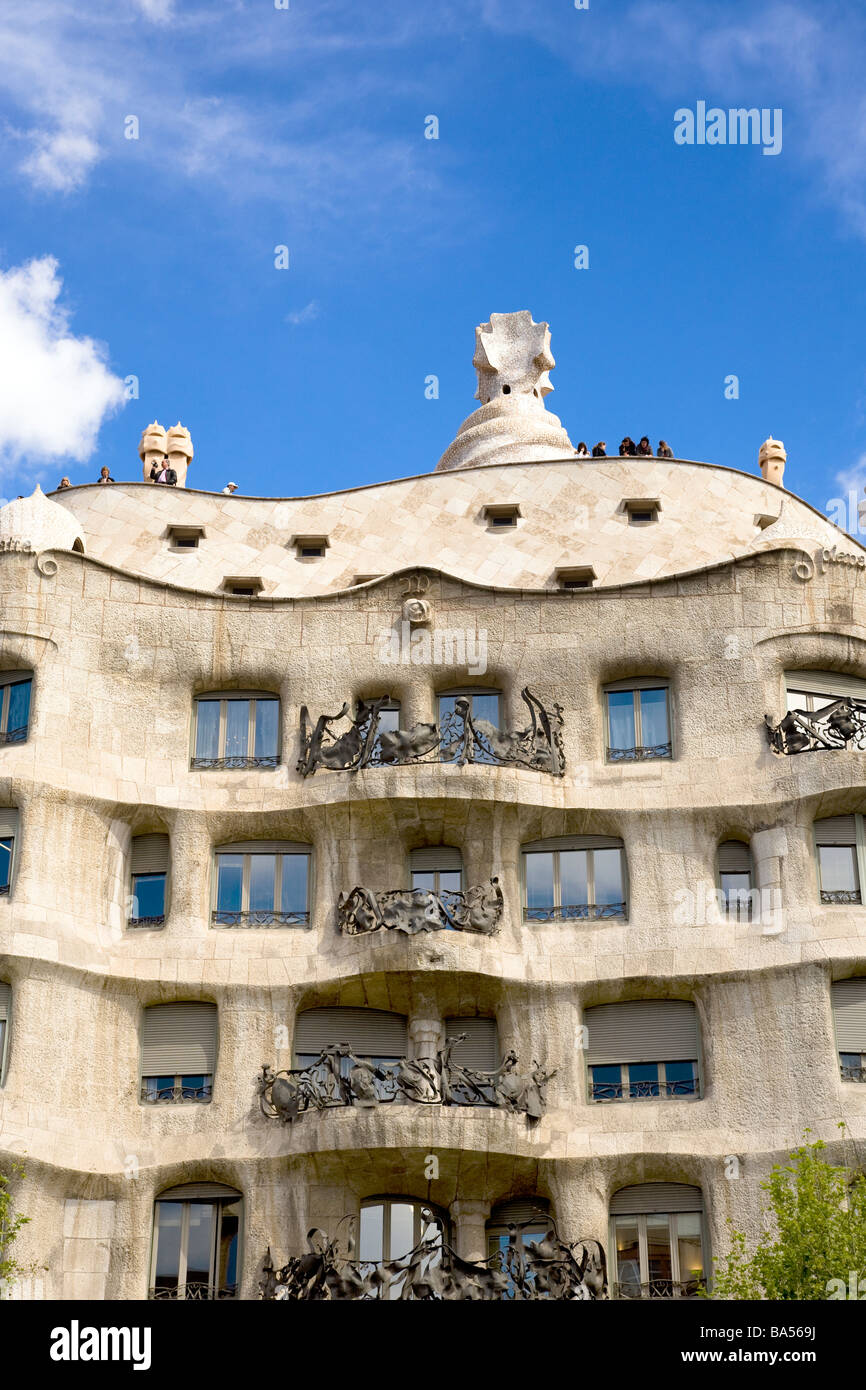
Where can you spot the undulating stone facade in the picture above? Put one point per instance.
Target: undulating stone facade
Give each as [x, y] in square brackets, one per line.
[731, 583]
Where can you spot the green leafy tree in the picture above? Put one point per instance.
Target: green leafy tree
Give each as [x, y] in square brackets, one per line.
[814, 1233]
[10, 1225]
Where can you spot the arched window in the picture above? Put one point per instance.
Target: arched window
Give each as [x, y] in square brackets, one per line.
[849, 1019]
[262, 883]
[196, 1242]
[840, 845]
[15, 688]
[236, 729]
[574, 876]
[643, 1049]
[178, 1052]
[148, 871]
[735, 879]
[525, 1219]
[436, 869]
[637, 719]
[8, 841]
[657, 1241]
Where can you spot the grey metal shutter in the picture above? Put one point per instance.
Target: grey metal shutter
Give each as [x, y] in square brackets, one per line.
[179, 1040]
[8, 821]
[149, 854]
[826, 683]
[481, 1048]
[573, 842]
[368, 1032]
[519, 1209]
[199, 1191]
[265, 847]
[640, 683]
[445, 858]
[656, 1196]
[642, 1030]
[5, 1002]
[835, 830]
[849, 1014]
[734, 857]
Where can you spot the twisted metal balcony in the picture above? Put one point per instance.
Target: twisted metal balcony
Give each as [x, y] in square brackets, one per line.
[260, 919]
[154, 923]
[459, 739]
[841, 724]
[477, 910]
[640, 755]
[196, 1293]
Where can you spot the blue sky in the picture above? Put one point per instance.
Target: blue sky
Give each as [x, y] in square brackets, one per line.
[305, 127]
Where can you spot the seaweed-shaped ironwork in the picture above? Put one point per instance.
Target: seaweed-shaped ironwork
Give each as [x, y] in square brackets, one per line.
[841, 724]
[413, 910]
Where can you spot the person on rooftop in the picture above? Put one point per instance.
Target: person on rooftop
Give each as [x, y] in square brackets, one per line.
[599, 450]
[664, 450]
[230, 488]
[104, 475]
[582, 451]
[64, 482]
[161, 473]
[627, 448]
[644, 447]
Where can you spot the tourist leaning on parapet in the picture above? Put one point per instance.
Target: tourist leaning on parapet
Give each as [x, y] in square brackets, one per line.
[599, 450]
[230, 488]
[161, 473]
[582, 451]
[627, 448]
[104, 476]
[664, 450]
[644, 447]
[64, 482]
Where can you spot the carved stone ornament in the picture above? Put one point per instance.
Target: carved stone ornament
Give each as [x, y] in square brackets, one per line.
[338, 1079]
[416, 611]
[526, 1270]
[413, 910]
[347, 746]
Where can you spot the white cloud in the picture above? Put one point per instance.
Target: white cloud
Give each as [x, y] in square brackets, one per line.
[156, 10]
[61, 161]
[853, 479]
[57, 389]
[306, 315]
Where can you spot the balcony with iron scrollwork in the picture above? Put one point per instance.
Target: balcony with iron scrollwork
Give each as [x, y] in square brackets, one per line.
[176, 1093]
[194, 1292]
[342, 744]
[273, 919]
[640, 755]
[15, 735]
[477, 910]
[841, 895]
[4, 890]
[579, 912]
[233, 764]
[841, 724]
[853, 1073]
[658, 1288]
[155, 923]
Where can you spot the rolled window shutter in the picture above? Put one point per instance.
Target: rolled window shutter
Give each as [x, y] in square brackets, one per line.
[8, 822]
[481, 1048]
[428, 859]
[656, 1197]
[849, 1014]
[368, 1032]
[519, 1209]
[640, 683]
[5, 1003]
[734, 857]
[238, 695]
[834, 683]
[265, 847]
[835, 830]
[149, 854]
[179, 1040]
[642, 1030]
[573, 842]
[199, 1191]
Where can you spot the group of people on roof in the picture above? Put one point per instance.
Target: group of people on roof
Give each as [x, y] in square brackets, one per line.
[628, 449]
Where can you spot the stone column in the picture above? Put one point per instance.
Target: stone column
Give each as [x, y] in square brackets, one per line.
[769, 850]
[470, 1236]
[424, 1035]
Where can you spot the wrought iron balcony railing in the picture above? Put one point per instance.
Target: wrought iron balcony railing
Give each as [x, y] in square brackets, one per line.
[15, 735]
[639, 755]
[642, 1090]
[411, 910]
[152, 922]
[197, 1293]
[659, 1288]
[459, 738]
[853, 1073]
[173, 1095]
[4, 889]
[592, 912]
[526, 1270]
[260, 919]
[841, 724]
[338, 1079]
[233, 764]
[846, 895]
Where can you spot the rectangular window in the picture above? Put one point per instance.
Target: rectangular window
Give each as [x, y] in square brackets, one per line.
[483, 708]
[148, 892]
[14, 708]
[262, 889]
[658, 1255]
[840, 846]
[237, 732]
[574, 883]
[195, 1253]
[638, 723]
[643, 1080]
[7, 846]
[178, 1052]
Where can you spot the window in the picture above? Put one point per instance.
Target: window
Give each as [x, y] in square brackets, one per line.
[5, 1016]
[364, 579]
[479, 1052]
[243, 586]
[501, 514]
[8, 836]
[236, 730]
[849, 1018]
[178, 1052]
[641, 511]
[262, 883]
[482, 706]
[391, 1228]
[388, 723]
[576, 577]
[577, 876]
[437, 869]
[148, 874]
[15, 689]
[196, 1239]
[814, 690]
[310, 547]
[840, 845]
[656, 1239]
[637, 716]
[185, 537]
[735, 879]
[366, 1033]
[529, 1215]
[644, 1049]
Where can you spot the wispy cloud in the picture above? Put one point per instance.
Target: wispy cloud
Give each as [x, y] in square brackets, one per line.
[306, 315]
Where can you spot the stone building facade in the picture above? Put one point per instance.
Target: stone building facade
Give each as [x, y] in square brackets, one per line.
[185, 813]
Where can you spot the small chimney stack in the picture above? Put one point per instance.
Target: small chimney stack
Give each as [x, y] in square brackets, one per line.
[180, 451]
[152, 448]
[771, 460]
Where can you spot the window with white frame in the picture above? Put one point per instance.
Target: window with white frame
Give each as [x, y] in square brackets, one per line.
[15, 689]
[849, 1020]
[657, 1241]
[573, 877]
[236, 729]
[196, 1242]
[5, 1016]
[262, 883]
[840, 847]
[436, 869]
[735, 879]
[812, 691]
[178, 1052]
[637, 720]
[149, 855]
[643, 1049]
[8, 838]
[391, 1228]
